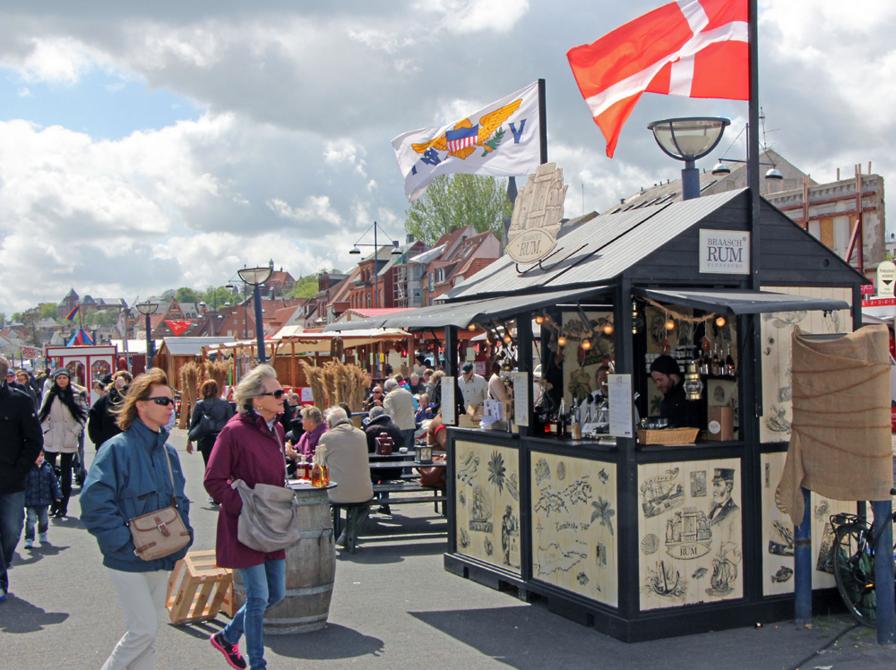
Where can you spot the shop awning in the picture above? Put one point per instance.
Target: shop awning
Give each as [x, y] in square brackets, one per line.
[741, 302]
[461, 314]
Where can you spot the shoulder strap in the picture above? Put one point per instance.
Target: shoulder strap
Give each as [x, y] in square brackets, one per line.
[170, 476]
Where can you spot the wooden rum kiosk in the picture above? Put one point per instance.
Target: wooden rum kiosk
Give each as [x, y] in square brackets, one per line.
[647, 540]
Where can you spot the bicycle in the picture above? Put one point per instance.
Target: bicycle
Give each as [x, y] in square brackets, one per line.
[853, 552]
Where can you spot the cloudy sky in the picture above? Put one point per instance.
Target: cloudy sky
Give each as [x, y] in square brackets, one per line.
[153, 145]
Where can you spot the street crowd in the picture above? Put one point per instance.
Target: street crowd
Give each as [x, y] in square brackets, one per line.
[264, 437]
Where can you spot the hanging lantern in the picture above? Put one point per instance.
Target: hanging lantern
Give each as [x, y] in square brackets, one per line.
[721, 321]
[586, 344]
[670, 324]
[693, 385]
[607, 328]
[472, 327]
[561, 341]
[507, 339]
[539, 319]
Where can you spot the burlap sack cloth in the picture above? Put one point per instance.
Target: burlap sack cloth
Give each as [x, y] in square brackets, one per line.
[840, 435]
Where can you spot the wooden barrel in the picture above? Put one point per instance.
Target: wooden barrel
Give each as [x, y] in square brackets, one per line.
[310, 571]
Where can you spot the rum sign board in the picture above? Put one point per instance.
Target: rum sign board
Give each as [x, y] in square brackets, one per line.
[724, 252]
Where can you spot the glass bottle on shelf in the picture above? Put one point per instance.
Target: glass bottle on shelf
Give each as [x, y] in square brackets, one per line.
[730, 367]
[715, 366]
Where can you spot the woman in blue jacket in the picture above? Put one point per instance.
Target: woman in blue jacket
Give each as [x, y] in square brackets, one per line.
[129, 477]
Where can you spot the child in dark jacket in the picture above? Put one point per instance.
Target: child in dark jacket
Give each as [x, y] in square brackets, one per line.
[41, 490]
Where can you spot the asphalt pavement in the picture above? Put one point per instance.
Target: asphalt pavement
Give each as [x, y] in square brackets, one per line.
[394, 606]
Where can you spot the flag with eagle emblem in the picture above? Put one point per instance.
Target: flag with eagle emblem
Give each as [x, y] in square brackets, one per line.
[500, 140]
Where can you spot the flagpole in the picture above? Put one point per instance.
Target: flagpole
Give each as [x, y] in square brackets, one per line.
[753, 144]
[543, 122]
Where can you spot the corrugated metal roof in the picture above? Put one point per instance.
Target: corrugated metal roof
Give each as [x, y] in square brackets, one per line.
[191, 346]
[461, 314]
[742, 302]
[598, 251]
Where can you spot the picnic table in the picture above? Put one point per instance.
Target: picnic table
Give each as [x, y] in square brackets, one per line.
[397, 488]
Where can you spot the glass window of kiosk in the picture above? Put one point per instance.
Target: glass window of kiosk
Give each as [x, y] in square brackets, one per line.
[575, 357]
[690, 355]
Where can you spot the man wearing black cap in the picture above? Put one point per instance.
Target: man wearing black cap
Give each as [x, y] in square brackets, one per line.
[675, 406]
[473, 387]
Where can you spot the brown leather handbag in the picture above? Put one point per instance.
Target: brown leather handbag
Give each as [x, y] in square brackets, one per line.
[160, 533]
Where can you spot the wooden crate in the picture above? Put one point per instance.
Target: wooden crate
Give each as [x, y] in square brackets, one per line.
[670, 436]
[198, 589]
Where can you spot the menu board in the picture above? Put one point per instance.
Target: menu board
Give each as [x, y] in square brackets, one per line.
[620, 388]
[521, 398]
[448, 403]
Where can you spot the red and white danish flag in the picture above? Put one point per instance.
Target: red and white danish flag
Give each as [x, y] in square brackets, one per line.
[695, 48]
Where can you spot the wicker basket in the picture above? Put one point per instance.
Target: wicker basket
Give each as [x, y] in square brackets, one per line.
[670, 436]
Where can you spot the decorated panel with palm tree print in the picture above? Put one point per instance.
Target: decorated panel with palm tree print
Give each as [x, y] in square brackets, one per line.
[487, 503]
[574, 539]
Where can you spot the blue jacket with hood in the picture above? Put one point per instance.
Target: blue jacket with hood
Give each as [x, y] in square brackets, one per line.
[128, 478]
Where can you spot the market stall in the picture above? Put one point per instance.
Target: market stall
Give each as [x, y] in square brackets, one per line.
[85, 362]
[644, 531]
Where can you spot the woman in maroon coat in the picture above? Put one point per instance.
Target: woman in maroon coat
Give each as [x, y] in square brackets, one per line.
[250, 447]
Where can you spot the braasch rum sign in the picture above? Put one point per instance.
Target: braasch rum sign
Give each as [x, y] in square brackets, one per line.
[724, 252]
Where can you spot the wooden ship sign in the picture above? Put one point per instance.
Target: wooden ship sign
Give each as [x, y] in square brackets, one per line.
[536, 215]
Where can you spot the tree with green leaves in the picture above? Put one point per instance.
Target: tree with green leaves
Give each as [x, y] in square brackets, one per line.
[455, 201]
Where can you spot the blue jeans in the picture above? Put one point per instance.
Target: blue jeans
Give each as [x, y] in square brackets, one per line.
[265, 586]
[39, 515]
[12, 516]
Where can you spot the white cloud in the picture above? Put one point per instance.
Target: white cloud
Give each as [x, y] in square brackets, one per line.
[471, 16]
[316, 208]
[292, 158]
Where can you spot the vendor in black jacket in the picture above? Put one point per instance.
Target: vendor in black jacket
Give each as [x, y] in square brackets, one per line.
[675, 406]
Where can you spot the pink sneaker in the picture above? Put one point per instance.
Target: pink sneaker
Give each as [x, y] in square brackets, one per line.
[231, 651]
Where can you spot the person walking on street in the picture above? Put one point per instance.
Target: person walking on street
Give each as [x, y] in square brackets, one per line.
[20, 443]
[24, 381]
[41, 491]
[62, 418]
[218, 411]
[136, 472]
[102, 421]
[250, 448]
[399, 404]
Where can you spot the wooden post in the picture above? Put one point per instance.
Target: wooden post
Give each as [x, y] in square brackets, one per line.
[292, 362]
[802, 564]
[883, 570]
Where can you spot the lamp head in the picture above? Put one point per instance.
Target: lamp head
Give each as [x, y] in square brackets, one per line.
[721, 170]
[355, 250]
[688, 138]
[774, 174]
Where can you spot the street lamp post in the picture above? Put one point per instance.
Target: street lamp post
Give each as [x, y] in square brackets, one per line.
[146, 309]
[687, 139]
[356, 250]
[255, 277]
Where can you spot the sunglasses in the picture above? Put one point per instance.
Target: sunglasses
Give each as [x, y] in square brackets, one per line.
[164, 401]
[277, 394]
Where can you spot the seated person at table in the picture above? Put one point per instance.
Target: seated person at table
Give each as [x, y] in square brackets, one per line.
[379, 423]
[675, 406]
[314, 427]
[424, 409]
[436, 433]
[375, 399]
[343, 449]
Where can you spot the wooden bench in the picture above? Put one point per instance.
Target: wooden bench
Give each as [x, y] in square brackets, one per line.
[408, 486]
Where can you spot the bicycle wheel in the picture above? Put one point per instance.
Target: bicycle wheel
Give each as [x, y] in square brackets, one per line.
[854, 572]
